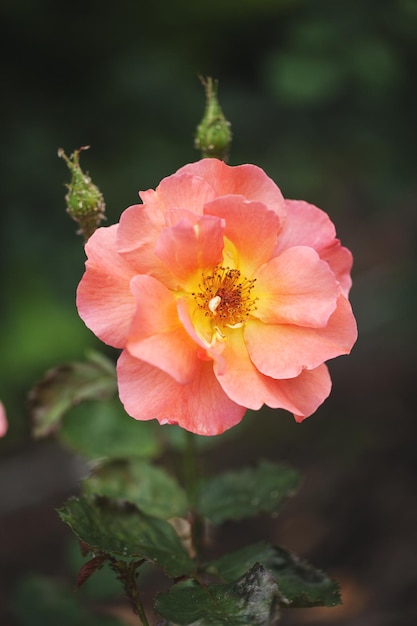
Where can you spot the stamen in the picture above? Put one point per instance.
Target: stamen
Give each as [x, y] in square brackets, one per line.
[214, 303]
[226, 296]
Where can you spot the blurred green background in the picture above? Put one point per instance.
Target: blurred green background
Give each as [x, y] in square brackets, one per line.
[322, 96]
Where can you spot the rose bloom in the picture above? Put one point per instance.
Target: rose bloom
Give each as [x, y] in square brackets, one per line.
[222, 295]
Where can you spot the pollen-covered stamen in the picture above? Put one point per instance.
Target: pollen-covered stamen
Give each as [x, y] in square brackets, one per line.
[225, 296]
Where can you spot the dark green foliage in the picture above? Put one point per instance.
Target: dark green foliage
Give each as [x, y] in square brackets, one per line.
[118, 529]
[78, 402]
[149, 487]
[299, 583]
[247, 492]
[253, 599]
[66, 386]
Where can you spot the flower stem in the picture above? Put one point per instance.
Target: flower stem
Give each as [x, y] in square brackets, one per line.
[127, 573]
[192, 480]
[191, 469]
[139, 610]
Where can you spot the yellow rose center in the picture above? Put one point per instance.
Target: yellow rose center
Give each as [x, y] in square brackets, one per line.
[225, 296]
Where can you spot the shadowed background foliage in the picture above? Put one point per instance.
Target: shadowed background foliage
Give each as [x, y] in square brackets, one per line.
[322, 96]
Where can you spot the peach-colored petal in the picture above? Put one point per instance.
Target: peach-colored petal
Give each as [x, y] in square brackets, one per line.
[244, 384]
[307, 225]
[340, 260]
[140, 225]
[184, 190]
[249, 181]
[296, 287]
[238, 376]
[156, 335]
[250, 226]
[104, 300]
[138, 232]
[199, 328]
[284, 350]
[187, 247]
[308, 390]
[174, 216]
[201, 406]
[3, 420]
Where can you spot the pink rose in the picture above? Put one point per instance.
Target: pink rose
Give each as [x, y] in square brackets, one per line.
[222, 296]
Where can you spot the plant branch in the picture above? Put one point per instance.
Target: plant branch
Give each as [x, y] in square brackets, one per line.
[127, 574]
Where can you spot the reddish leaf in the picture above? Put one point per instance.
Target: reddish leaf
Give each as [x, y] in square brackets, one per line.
[89, 568]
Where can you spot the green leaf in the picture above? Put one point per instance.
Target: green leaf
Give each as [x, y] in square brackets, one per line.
[66, 386]
[299, 583]
[232, 566]
[253, 599]
[39, 601]
[149, 487]
[119, 529]
[104, 430]
[247, 492]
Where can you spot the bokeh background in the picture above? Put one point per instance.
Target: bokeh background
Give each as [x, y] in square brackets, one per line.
[322, 95]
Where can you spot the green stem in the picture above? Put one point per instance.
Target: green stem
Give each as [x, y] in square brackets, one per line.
[191, 469]
[127, 574]
[138, 608]
[192, 484]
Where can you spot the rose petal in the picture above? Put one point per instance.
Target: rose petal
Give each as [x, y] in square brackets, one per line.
[184, 190]
[307, 225]
[138, 232]
[201, 331]
[340, 260]
[244, 384]
[284, 350]
[248, 224]
[104, 300]
[296, 287]
[156, 335]
[201, 406]
[308, 390]
[249, 181]
[186, 247]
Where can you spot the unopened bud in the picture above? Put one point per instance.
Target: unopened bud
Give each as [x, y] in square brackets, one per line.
[214, 135]
[85, 202]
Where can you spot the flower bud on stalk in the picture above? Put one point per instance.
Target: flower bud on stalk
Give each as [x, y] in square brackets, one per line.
[85, 202]
[213, 135]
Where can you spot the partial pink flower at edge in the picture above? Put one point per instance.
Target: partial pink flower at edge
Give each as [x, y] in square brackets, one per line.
[222, 296]
[3, 421]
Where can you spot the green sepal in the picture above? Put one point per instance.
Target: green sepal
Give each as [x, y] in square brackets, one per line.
[247, 492]
[119, 530]
[300, 584]
[253, 599]
[149, 487]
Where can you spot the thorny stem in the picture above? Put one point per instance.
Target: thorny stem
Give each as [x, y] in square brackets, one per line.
[127, 575]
